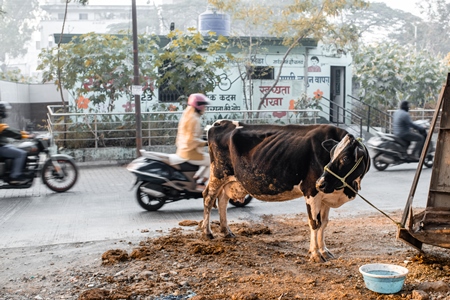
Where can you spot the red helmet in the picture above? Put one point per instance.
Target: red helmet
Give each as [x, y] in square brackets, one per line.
[198, 100]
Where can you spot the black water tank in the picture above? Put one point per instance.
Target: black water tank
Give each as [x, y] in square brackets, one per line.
[212, 20]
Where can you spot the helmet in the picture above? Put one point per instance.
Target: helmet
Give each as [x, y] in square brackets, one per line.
[404, 105]
[4, 107]
[198, 100]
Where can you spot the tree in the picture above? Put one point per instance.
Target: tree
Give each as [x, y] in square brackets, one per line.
[388, 73]
[437, 12]
[184, 65]
[97, 67]
[83, 2]
[297, 20]
[379, 21]
[16, 28]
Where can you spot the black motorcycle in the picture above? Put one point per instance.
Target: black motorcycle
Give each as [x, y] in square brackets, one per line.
[58, 172]
[164, 178]
[388, 149]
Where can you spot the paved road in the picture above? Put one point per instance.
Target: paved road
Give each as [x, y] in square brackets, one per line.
[102, 207]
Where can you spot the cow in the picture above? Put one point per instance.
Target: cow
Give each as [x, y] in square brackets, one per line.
[323, 163]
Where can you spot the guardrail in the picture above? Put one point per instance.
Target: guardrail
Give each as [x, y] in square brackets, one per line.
[159, 128]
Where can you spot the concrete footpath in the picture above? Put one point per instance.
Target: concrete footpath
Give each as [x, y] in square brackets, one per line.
[102, 206]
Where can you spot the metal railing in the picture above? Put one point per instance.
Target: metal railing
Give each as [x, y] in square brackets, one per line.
[343, 117]
[375, 119]
[159, 128]
[418, 114]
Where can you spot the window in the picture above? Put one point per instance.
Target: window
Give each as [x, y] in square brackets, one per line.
[261, 72]
[166, 95]
[83, 16]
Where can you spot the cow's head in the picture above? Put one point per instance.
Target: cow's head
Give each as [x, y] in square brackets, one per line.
[349, 162]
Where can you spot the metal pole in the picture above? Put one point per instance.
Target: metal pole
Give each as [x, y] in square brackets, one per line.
[137, 97]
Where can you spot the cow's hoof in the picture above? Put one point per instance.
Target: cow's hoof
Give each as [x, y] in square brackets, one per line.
[327, 254]
[316, 257]
[209, 236]
[229, 235]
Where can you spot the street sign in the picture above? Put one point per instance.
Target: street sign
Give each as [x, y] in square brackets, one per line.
[136, 90]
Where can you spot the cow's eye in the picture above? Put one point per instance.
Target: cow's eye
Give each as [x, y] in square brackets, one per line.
[344, 159]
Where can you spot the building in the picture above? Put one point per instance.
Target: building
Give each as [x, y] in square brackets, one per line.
[310, 71]
[80, 19]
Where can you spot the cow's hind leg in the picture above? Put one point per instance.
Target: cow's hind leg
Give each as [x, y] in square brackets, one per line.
[209, 200]
[223, 203]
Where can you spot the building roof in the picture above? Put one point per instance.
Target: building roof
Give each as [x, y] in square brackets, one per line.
[164, 40]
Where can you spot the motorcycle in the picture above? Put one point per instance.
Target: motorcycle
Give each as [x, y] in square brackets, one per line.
[389, 149]
[164, 178]
[58, 172]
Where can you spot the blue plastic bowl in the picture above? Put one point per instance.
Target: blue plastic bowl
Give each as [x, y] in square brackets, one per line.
[384, 278]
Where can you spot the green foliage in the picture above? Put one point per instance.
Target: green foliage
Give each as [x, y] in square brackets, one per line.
[15, 76]
[305, 102]
[16, 27]
[99, 66]
[403, 28]
[436, 36]
[388, 74]
[184, 63]
[296, 21]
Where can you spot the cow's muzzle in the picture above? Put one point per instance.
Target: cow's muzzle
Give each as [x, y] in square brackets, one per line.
[323, 186]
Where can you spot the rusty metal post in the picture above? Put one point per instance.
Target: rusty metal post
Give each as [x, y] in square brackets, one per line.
[137, 96]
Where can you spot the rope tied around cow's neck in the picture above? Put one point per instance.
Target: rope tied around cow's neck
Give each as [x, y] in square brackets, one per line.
[342, 179]
[345, 184]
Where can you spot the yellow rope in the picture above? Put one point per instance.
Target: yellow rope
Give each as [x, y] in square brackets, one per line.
[345, 184]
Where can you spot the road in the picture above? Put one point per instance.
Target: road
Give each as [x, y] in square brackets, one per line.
[102, 207]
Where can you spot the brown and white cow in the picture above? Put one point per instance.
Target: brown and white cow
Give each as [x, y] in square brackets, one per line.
[279, 163]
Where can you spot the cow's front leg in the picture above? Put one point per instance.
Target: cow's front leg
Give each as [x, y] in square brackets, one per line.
[325, 253]
[223, 203]
[313, 205]
[314, 252]
[208, 203]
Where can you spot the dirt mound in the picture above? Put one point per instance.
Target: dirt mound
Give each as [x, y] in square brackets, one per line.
[267, 260]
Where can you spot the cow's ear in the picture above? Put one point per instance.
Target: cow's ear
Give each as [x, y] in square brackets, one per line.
[329, 144]
[358, 153]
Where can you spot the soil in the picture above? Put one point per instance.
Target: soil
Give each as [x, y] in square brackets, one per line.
[267, 260]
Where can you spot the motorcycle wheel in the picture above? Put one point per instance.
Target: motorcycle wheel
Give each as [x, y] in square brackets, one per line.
[56, 182]
[428, 162]
[247, 200]
[147, 201]
[379, 165]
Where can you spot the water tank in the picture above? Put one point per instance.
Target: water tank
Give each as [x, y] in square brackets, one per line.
[213, 20]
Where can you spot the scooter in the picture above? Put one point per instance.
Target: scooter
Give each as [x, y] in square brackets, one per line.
[163, 178]
[388, 149]
[58, 172]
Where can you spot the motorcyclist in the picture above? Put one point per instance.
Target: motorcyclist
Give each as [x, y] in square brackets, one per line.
[402, 128]
[189, 140]
[9, 151]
